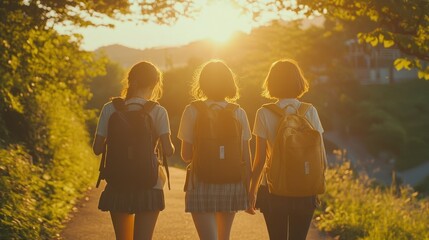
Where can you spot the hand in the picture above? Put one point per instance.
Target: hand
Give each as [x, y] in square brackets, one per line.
[252, 202]
[250, 211]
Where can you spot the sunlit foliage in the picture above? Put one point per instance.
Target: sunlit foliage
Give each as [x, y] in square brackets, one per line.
[403, 24]
[45, 157]
[355, 207]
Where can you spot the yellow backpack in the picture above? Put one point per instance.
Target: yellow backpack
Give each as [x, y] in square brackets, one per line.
[296, 165]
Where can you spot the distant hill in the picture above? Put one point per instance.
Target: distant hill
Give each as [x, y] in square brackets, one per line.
[165, 58]
[168, 58]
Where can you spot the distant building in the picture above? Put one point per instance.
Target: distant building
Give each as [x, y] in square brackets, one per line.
[374, 65]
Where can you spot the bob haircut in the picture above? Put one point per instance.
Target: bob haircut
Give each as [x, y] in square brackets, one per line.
[141, 76]
[284, 80]
[214, 80]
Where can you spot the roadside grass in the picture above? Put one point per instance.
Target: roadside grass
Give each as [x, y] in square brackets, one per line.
[356, 207]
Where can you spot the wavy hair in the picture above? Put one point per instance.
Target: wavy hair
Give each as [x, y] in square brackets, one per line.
[214, 80]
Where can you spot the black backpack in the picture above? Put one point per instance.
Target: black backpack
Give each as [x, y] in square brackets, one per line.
[132, 151]
[217, 147]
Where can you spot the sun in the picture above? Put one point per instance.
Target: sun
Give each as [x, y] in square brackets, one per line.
[220, 19]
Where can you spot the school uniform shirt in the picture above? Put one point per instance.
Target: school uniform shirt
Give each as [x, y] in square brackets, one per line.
[160, 120]
[266, 122]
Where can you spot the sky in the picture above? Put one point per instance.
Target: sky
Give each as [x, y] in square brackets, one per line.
[217, 21]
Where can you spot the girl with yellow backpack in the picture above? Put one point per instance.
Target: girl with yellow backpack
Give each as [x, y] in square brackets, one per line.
[290, 158]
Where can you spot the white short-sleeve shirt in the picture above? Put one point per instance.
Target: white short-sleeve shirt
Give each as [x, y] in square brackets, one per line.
[160, 120]
[187, 123]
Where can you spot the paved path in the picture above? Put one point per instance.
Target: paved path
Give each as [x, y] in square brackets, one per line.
[415, 175]
[375, 168]
[88, 223]
[361, 159]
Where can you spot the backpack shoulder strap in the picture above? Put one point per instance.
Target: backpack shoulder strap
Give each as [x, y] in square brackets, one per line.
[303, 108]
[232, 107]
[274, 108]
[199, 105]
[118, 103]
[148, 106]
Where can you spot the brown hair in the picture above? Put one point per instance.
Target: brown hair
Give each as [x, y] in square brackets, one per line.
[214, 80]
[141, 76]
[284, 80]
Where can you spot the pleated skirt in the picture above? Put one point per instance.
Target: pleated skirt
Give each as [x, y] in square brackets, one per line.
[131, 201]
[267, 202]
[205, 197]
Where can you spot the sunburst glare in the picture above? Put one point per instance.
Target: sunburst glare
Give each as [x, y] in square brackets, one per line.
[220, 19]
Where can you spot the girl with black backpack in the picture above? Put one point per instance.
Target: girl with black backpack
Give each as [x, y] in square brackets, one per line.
[127, 126]
[215, 138]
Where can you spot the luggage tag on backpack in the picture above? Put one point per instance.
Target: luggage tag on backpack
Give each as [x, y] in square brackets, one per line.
[307, 168]
[221, 152]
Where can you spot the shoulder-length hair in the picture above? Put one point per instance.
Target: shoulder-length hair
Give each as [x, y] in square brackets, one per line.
[284, 80]
[214, 80]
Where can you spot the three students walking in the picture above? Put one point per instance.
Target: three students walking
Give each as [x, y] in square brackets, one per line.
[215, 136]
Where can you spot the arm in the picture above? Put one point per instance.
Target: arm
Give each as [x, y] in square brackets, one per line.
[247, 163]
[167, 146]
[99, 145]
[186, 152]
[258, 167]
[325, 159]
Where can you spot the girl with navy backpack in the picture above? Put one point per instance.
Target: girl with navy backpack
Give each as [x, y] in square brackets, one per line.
[134, 211]
[213, 204]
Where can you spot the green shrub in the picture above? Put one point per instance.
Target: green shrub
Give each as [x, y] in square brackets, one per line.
[20, 182]
[386, 136]
[354, 207]
[413, 153]
[37, 197]
[73, 165]
[367, 116]
[45, 155]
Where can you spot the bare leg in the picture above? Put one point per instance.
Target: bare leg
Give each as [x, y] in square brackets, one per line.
[206, 225]
[123, 223]
[144, 225]
[224, 223]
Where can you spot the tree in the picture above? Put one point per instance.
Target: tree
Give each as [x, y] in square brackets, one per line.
[396, 23]
[392, 23]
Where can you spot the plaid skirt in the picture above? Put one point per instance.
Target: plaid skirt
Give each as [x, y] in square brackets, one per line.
[131, 201]
[207, 197]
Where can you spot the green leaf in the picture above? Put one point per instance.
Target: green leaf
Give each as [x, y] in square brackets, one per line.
[401, 63]
[388, 43]
[374, 42]
[381, 37]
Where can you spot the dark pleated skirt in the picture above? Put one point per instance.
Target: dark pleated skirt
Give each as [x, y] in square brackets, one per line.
[267, 202]
[262, 199]
[131, 201]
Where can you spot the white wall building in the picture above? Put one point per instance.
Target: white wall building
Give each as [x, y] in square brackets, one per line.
[374, 65]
